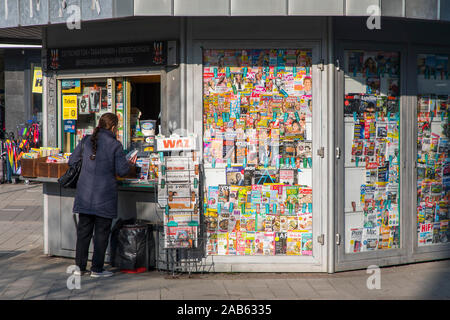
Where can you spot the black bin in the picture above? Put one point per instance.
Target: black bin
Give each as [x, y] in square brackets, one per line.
[129, 245]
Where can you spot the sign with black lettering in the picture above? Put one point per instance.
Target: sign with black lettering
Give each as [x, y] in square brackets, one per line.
[117, 56]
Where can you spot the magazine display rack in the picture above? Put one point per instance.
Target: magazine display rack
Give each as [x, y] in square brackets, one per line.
[179, 194]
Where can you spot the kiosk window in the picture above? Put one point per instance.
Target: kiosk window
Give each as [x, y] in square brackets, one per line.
[372, 150]
[433, 161]
[258, 133]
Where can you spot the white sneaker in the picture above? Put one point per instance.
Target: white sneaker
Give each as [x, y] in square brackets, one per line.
[81, 273]
[102, 274]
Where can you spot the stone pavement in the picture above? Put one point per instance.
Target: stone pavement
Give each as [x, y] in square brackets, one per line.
[26, 273]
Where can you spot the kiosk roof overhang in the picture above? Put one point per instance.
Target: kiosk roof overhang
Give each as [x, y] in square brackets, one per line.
[20, 13]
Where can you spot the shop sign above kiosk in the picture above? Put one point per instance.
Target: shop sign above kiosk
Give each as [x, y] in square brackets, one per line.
[158, 53]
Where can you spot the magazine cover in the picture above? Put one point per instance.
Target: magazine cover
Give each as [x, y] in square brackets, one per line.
[250, 215]
[384, 238]
[248, 220]
[211, 218]
[84, 102]
[104, 99]
[260, 221]
[180, 197]
[357, 149]
[255, 197]
[269, 244]
[444, 231]
[234, 195]
[276, 223]
[269, 222]
[94, 100]
[425, 234]
[259, 243]
[355, 239]
[355, 62]
[252, 152]
[370, 239]
[288, 149]
[182, 218]
[232, 243]
[211, 244]
[234, 223]
[241, 150]
[265, 175]
[305, 221]
[228, 146]
[373, 85]
[224, 193]
[216, 150]
[248, 175]
[224, 217]
[287, 176]
[264, 146]
[436, 232]
[307, 244]
[292, 223]
[280, 243]
[370, 218]
[305, 195]
[294, 243]
[183, 163]
[284, 224]
[291, 201]
[180, 237]
[179, 176]
[235, 175]
[244, 195]
[222, 244]
[351, 104]
[240, 243]
[249, 243]
[304, 149]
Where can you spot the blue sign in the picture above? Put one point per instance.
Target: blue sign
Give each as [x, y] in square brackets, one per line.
[69, 126]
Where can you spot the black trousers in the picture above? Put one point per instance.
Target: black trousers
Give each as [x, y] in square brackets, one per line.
[101, 227]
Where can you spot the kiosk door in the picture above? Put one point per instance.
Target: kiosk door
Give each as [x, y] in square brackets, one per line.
[261, 131]
[369, 162]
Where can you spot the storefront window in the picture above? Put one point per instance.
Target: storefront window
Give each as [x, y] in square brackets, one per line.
[433, 162]
[83, 103]
[372, 150]
[258, 128]
[36, 94]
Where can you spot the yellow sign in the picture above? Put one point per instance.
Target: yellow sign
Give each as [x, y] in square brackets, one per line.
[37, 80]
[70, 107]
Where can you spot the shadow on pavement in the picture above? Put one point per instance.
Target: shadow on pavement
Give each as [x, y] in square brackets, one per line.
[4, 255]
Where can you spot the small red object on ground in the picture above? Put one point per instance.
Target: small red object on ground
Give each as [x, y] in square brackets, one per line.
[138, 270]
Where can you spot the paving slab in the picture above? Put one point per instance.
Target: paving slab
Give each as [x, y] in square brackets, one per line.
[26, 273]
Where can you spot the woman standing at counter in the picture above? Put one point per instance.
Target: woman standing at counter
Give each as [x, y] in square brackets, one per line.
[96, 195]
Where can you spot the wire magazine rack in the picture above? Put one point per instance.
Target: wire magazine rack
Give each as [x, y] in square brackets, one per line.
[183, 238]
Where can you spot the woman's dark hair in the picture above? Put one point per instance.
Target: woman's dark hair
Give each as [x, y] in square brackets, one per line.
[107, 121]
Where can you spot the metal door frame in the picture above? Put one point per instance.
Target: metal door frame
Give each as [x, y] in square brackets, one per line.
[317, 262]
[434, 251]
[361, 260]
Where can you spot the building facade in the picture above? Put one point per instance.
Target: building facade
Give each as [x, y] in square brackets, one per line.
[355, 117]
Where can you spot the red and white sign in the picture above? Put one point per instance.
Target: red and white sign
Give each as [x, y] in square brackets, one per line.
[426, 227]
[176, 143]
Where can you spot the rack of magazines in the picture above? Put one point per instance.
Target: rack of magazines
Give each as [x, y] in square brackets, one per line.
[179, 194]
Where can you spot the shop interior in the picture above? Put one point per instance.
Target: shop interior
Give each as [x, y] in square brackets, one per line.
[135, 100]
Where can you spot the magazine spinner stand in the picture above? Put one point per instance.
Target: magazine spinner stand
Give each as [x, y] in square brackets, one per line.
[180, 182]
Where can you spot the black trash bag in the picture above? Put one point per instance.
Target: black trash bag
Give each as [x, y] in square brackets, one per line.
[128, 245]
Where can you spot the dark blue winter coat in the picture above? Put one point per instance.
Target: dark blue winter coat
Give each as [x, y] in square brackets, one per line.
[97, 185]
